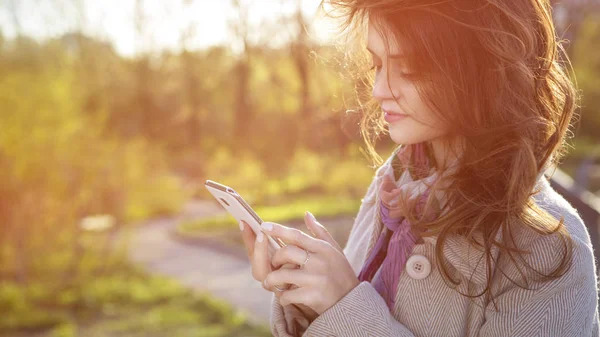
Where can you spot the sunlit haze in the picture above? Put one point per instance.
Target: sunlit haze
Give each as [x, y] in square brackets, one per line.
[165, 22]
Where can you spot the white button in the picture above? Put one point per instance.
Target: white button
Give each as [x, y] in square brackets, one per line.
[418, 267]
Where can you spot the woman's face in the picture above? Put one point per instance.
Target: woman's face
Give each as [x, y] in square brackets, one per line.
[416, 123]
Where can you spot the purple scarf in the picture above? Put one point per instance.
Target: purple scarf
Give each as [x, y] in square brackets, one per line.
[396, 241]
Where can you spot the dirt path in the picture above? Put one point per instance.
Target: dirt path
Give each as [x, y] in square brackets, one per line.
[226, 275]
[220, 269]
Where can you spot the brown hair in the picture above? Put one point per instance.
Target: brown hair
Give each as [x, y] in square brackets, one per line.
[492, 71]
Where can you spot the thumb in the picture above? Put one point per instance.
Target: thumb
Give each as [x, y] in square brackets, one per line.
[319, 231]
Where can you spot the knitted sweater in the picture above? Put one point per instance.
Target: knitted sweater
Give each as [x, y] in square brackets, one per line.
[427, 306]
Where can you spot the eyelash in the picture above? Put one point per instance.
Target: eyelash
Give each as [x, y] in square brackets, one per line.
[405, 75]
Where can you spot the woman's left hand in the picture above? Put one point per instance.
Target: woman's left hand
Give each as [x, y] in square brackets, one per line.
[325, 279]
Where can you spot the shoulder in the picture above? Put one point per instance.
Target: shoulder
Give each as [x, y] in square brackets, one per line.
[557, 206]
[572, 294]
[546, 251]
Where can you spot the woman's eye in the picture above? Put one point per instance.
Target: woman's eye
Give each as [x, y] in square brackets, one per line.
[404, 74]
[408, 75]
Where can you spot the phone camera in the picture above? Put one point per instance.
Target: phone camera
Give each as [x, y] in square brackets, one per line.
[231, 191]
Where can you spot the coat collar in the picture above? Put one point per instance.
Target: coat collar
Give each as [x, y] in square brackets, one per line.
[461, 254]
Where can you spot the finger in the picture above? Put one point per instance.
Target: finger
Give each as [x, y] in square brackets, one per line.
[295, 237]
[249, 238]
[261, 264]
[286, 287]
[281, 286]
[281, 277]
[387, 182]
[296, 296]
[289, 254]
[320, 230]
[312, 233]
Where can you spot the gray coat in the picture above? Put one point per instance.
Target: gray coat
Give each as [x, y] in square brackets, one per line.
[426, 306]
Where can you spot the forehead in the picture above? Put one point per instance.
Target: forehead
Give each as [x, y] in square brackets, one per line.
[377, 38]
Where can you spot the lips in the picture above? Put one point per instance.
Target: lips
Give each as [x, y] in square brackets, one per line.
[391, 117]
[393, 113]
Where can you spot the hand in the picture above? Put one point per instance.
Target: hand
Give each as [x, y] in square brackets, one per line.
[327, 276]
[261, 265]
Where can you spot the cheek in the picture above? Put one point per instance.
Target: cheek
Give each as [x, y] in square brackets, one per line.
[423, 125]
[420, 110]
[410, 102]
[411, 132]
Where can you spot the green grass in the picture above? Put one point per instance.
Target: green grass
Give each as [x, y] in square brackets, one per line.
[320, 206]
[125, 303]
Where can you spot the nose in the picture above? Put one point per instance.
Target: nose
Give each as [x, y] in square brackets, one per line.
[381, 88]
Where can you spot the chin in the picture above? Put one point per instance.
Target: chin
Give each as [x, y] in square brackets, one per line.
[405, 136]
[409, 133]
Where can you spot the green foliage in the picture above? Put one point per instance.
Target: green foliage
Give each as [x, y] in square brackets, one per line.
[586, 61]
[320, 206]
[305, 173]
[58, 165]
[67, 329]
[126, 303]
[19, 312]
[323, 184]
[311, 183]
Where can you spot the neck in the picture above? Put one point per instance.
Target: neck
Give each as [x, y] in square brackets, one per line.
[446, 151]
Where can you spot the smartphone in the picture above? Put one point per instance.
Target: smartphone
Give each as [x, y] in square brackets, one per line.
[240, 210]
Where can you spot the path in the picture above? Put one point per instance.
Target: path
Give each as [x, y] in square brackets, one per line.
[225, 275]
[220, 270]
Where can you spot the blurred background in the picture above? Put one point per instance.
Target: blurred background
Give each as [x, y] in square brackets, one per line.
[113, 115]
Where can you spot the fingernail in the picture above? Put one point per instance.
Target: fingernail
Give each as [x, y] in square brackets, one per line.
[265, 283]
[259, 236]
[241, 226]
[267, 226]
[311, 216]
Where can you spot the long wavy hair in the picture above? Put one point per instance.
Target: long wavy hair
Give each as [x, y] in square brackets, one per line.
[495, 73]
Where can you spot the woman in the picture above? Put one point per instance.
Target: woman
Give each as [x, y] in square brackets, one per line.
[460, 233]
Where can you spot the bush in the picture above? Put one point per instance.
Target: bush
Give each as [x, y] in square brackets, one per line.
[57, 166]
[126, 303]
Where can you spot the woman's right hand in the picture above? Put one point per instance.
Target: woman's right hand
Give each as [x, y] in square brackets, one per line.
[261, 264]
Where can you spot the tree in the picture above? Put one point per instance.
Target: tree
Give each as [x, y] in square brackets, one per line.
[299, 49]
[244, 111]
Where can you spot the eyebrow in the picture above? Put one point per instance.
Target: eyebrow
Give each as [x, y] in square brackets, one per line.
[392, 56]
